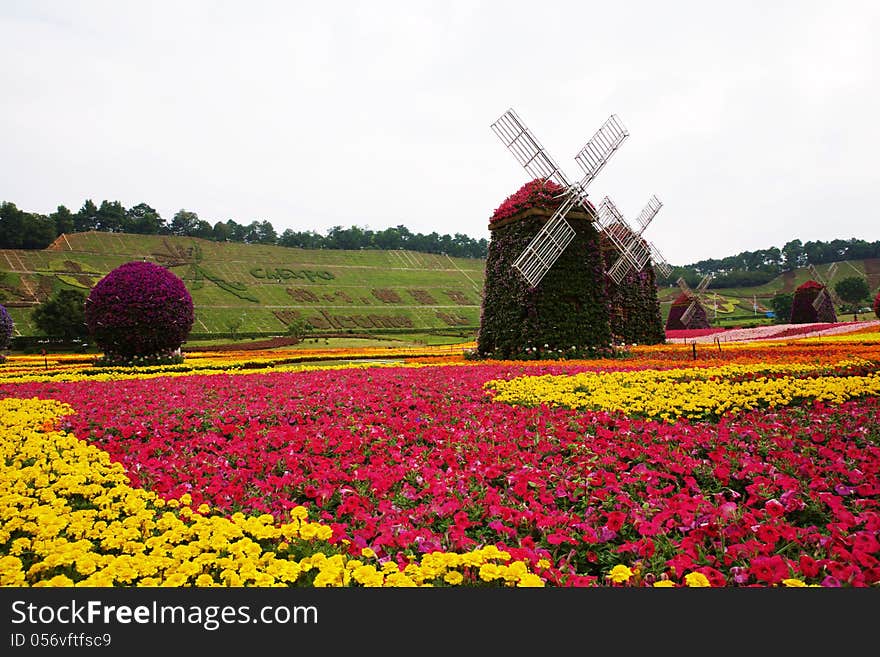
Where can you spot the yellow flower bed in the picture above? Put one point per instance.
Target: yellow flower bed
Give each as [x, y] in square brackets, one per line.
[694, 393]
[71, 518]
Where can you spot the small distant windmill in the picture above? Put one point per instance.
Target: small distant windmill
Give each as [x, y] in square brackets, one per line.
[552, 239]
[638, 251]
[826, 292]
[695, 296]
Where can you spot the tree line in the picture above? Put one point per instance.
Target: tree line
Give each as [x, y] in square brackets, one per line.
[753, 268]
[29, 230]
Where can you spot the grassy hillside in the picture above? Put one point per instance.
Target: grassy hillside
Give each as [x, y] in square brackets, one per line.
[256, 288]
[250, 288]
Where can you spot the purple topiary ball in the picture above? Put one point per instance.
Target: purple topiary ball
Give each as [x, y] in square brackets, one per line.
[139, 309]
[6, 326]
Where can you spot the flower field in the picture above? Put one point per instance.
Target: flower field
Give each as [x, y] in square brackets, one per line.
[752, 464]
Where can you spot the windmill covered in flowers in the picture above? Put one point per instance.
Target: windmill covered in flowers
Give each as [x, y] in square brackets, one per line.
[813, 300]
[688, 311]
[545, 291]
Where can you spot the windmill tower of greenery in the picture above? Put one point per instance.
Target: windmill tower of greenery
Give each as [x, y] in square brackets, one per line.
[634, 305]
[545, 291]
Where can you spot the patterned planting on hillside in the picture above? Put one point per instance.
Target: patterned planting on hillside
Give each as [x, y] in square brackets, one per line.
[241, 288]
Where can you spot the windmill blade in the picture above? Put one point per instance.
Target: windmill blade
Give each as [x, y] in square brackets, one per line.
[704, 283]
[829, 273]
[688, 314]
[526, 148]
[816, 275]
[612, 224]
[820, 298]
[546, 246]
[683, 285]
[649, 212]
[608, 213]
[659, 262]
[639, 252]
[620, 269]
[601, 146]
[634, 256]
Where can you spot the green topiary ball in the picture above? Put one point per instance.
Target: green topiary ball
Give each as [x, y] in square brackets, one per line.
[139, 310]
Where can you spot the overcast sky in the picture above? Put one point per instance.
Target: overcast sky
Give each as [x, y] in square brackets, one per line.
[753, 122]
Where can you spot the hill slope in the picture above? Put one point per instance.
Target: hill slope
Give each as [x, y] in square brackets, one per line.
[252, 288]
[257, 288]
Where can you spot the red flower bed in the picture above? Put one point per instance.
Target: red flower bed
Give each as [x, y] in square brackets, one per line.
[412, 460]
[691, 333]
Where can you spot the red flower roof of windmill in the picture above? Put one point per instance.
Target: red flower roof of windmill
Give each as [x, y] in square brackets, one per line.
[810, 285]
[535, 193]
[682, 299]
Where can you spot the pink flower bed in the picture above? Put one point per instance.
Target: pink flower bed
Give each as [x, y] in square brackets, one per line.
[409, 460]
[771, 332]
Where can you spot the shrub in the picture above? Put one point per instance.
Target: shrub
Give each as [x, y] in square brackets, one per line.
[62, 316]
[6, 327]
[139, 312]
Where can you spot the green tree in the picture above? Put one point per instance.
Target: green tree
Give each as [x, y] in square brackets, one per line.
[86, 217]
[144, 220]
[854, 291]
[62, 315]
[792, 254]
[39, 231]
[12, 226]
[63, 219]
[781, 304]
[112, 217]
[298, 328]
[185, 223]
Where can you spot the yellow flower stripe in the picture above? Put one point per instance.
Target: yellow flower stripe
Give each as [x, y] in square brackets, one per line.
[69, 517]
[694, 393]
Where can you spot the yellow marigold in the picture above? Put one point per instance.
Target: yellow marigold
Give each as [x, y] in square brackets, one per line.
[205, 580]
[299, 512]
[620, 574]
[453, 577]
[490, 571]
[792, 582]
[696, 580]
[398, 579]
[664, 584]
[530, 580]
